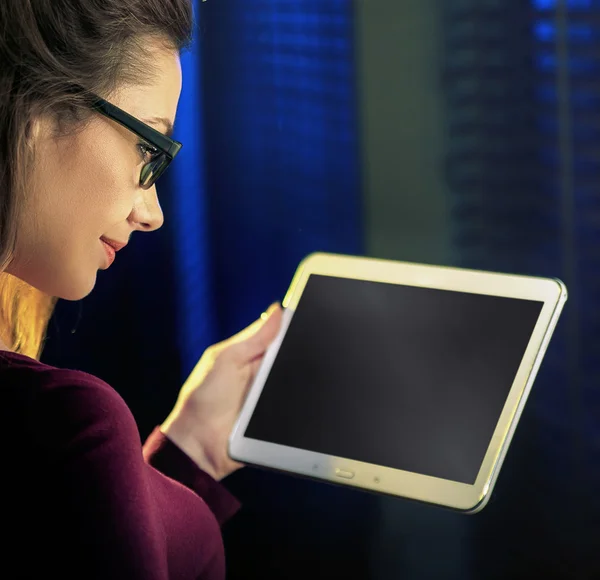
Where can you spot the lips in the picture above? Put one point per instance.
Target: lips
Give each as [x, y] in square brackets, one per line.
[111, 247]
[116, 246]
[110, 253]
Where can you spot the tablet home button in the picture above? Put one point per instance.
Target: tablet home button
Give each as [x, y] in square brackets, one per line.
[344, 474]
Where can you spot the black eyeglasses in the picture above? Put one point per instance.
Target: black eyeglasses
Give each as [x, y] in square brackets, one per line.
[163, 149]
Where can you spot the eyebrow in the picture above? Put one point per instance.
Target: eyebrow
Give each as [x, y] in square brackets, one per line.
[161, 121]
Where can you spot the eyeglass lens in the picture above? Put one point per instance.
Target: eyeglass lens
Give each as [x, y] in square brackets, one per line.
[153, 170]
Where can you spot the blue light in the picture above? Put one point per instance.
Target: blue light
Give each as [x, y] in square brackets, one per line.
[545, 31]
[546, 62]
[195, 314]
[580, 3]
[581, 32]
[282, 142]
[551, 4]
[544, 4]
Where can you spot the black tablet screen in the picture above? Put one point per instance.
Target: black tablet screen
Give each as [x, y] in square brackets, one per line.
[404, 377]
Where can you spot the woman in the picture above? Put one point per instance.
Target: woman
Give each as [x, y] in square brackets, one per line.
[88, 95]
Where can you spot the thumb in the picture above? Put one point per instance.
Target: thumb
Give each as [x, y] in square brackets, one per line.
[264, 332]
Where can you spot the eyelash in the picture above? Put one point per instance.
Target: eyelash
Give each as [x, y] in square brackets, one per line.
[146, 151]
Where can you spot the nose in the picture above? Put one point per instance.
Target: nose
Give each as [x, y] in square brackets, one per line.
[147, 215]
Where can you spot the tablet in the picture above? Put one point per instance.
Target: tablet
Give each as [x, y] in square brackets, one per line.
[398, 378]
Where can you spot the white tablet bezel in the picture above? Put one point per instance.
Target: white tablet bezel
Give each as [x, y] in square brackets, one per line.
[451, 494]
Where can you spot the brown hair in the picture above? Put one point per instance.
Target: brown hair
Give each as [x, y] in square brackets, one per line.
[53, 55]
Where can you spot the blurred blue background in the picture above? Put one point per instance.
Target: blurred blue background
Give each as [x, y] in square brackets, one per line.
[462, 133]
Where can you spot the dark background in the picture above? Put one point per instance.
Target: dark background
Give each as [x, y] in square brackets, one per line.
[451, 132]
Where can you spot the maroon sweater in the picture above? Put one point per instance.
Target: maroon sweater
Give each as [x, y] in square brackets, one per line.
[80, 496]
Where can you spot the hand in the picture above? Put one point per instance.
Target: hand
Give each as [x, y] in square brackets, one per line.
[211, 398]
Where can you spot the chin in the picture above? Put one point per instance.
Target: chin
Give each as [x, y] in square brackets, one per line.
[75, 292]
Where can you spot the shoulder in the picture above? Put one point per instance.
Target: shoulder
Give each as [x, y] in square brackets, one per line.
[61, 407]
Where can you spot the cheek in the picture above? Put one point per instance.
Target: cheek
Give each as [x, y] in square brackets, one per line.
[84, 187]
[80, 190]
[100, 184]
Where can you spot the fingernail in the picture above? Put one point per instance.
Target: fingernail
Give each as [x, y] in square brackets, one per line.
[269, 310]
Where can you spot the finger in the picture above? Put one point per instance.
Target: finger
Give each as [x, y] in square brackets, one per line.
[259, 342]
[272, 309]
[256, 344]
[235, 466]
[254, 327]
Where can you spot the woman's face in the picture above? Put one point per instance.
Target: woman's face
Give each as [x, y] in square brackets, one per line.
[85, 187]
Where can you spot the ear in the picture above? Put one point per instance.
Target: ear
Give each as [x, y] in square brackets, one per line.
[37, 128]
